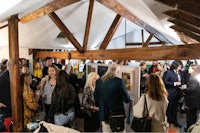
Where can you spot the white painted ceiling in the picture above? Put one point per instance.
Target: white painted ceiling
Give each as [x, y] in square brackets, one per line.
[42, 33]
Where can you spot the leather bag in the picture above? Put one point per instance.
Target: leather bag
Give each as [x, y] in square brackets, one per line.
[117, 121]
[142, 124]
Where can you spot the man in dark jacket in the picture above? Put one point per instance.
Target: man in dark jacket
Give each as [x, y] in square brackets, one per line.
[172, 81]
[111, 93]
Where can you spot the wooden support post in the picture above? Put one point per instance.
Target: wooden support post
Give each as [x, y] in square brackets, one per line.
[16, 96]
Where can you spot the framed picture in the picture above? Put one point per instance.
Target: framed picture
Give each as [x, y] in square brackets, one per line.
[89, 69]
[81, 67]
[130, 76]
[127, 80]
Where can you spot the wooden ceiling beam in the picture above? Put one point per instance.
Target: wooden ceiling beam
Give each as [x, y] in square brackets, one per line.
[87, 29]
[111, 31]
[148, 40]
[175, 52]
[139, 43]
[184, 16]
[66, 31]
[191, 6]
[185, 25]
[49, 8]
[186, 32]
[119, 9]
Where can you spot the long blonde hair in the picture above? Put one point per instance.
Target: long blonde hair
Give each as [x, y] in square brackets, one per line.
[25, 85]
[155, 87]
[111, 72]
[90, 78]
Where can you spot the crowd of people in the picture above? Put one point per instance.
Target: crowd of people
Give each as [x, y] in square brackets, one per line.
[181, 83]
[54, 89]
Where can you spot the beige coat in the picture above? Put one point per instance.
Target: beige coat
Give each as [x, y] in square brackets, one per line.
[157, 110]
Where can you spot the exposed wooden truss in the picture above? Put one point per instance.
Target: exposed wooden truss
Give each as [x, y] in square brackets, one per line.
[111, 31]
[119, 9]
[66, 31]
[148, 40]
[6, 25]
[186, 39]
[87, 29]
[185, 25]
[184, 16]
[186, 32]
[179, 52]
[191, 6]
[122, 12]
[51, 7]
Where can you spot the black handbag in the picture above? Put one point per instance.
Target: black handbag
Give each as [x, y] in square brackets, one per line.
[142, 124]
[117, 121]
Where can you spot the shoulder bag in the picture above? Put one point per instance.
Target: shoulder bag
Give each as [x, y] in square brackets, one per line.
[117, 121]
[142, 124]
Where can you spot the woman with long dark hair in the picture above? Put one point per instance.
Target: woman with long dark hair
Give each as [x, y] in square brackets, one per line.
[62, 101]
[156, 96]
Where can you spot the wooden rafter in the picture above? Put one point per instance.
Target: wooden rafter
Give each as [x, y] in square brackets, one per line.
[179, 52]
[163, 42]
[140, 44]
[191, 6]
[66, 31]
[184, 16]
[148, 40]
[6, 25]
[185, 25]
[119, 9]
[111, 31]
[51, 7]
[186, 39]
[186, 32]
[87, 29]
[30, 51]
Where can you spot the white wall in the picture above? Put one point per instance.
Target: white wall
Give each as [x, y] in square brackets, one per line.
[23, 53]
